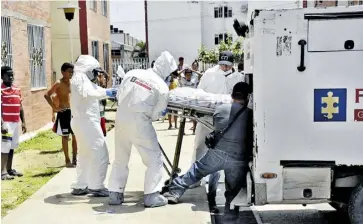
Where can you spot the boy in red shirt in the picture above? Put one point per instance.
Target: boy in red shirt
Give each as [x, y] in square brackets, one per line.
[11, 114]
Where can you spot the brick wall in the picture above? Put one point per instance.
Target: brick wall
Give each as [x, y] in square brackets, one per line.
[37, 111]
[99, 30]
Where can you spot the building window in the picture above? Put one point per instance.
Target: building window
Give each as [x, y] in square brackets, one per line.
[218, 12]
[95, 49]
[93, 5]
[106, 57]
[227, 12]
[350, 2]
[360, 2]
[6, 48]
[104, 7]
[218, 38]
[36, 47]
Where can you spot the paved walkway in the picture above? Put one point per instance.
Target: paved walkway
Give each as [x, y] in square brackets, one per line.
[53, 204]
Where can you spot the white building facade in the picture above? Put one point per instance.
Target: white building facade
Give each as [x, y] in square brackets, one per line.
[182, 27]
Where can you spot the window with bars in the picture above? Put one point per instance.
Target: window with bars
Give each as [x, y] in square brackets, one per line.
[104, 7]
[95, 50]
[6, 48]
[360, 2]
[227, 12]
[218, 12]
[93, 5]
[350, 2]
[218, 38]
[36, 47]
[106, 57]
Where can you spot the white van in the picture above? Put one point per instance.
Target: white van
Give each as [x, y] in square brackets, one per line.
[307, 72]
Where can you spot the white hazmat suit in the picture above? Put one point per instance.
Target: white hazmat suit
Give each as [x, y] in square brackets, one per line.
[93, 157]
[143, 94]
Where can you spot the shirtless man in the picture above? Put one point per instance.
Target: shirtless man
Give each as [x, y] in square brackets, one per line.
[63, 121]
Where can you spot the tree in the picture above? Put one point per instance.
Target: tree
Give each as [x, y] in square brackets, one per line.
[140, 50]
[211, 56]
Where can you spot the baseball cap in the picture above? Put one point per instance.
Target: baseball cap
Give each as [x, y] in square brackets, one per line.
[241, 89]
[225, 58]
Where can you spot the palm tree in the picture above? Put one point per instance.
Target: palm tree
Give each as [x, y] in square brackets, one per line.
[140, 50]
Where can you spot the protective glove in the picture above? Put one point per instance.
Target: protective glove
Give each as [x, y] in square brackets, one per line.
[111, 92]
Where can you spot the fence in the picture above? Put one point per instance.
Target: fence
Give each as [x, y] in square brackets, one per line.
[127, 65]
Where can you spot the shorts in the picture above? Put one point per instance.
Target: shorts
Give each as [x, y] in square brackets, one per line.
[11, 139]
[62, 125]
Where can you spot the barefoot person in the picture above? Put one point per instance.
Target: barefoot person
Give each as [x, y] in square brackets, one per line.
[63, 120]
[11, 114]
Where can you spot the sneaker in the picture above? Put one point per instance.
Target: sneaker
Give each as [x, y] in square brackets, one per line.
[6, 176]
[115, 198]
[154, 200]
[99, 192]
[14, 173]
[79, 192]
[172, 198]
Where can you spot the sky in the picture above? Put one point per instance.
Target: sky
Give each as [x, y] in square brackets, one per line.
[129, 16]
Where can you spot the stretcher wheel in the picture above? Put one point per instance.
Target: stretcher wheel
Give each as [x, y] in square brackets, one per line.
[178, 170]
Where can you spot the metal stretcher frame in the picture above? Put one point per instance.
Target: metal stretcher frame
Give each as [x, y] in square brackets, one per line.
[184, 112]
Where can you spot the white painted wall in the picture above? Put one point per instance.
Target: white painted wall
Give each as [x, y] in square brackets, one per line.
[176, 27]
[60, 36]
[212, 26]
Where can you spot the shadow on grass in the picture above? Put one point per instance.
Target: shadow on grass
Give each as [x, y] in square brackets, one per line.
[46, 174]
[50, 152]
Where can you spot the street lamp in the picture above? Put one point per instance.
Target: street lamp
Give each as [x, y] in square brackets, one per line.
[69, 10]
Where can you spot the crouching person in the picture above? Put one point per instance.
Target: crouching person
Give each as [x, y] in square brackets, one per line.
[234, 125]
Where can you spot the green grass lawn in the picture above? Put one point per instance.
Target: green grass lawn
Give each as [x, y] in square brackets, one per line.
[39, 159]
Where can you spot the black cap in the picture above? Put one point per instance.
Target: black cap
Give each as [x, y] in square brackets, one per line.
[225, 58]
[241, 90]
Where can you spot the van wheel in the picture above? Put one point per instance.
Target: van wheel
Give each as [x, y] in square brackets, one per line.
[355, 207]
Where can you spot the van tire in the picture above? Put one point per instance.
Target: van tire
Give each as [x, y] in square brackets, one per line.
[355, 206]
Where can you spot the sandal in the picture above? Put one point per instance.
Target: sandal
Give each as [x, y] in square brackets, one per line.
[6, 176]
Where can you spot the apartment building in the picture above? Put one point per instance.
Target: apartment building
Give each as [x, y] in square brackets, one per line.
[184, 26]
[26, 47]
[89, 31]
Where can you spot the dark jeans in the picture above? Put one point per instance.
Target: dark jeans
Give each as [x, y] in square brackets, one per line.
[214, 160]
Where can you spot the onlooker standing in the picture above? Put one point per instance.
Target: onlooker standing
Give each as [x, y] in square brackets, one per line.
[181, 64]
[63, 121]
[173, 83]
[195, 70]
[189, 79]
[11, 113]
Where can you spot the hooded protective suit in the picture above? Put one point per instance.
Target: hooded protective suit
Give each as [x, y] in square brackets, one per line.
[214, 81]
[92, 150]
[143, 94]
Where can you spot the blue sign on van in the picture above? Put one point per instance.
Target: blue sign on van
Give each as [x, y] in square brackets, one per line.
[330, 105]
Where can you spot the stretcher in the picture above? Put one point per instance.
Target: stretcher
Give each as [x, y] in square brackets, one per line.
[202, 115]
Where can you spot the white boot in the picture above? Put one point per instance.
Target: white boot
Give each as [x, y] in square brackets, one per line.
[155, 200]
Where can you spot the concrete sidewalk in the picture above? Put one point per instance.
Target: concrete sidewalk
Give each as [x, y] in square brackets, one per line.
[53, 203]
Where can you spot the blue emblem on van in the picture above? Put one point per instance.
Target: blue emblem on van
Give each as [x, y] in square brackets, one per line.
[330, 105]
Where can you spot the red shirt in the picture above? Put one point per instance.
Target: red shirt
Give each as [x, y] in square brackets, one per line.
[10, 103]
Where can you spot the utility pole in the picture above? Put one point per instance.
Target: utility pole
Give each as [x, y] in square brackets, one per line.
[146, 30]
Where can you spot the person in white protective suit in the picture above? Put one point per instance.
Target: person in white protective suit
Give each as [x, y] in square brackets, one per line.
[218, 80]
[143, 94]
[93, 157]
